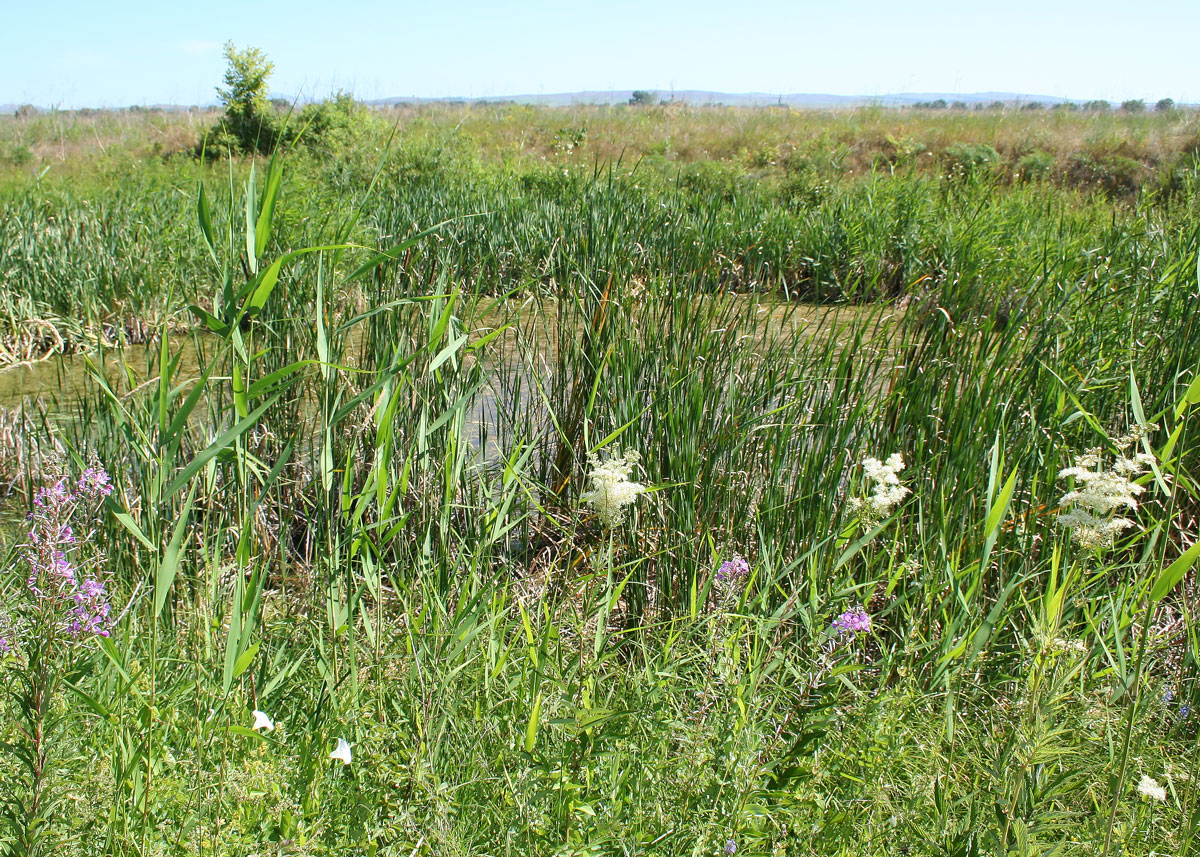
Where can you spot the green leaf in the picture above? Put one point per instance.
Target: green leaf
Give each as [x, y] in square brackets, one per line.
[243, 663]
[204, 216]
[1174, 573]
[261, 290]
[164, 575]
[128, 523]
[189, 404]
[262, 228]
[240, 402]
[392, 252]
[211, 321]
[251, 217]
[1191, 397]
[263, 384]
[1000, 507]
[215, 447]
[531, 730]
[91, 702]
[446, 353]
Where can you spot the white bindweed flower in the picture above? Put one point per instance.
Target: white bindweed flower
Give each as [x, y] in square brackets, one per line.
[612, 490]
[342, 753]
[262, 721]
[1150, 788]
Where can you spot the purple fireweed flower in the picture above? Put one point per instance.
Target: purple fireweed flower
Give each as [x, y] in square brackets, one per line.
[65, 589]
[851, 622]
[95, 483]
[733, 569]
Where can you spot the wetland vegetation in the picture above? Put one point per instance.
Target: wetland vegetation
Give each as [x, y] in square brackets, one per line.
[499, 480]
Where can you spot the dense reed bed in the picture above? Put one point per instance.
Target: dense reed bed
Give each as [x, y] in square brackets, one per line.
[515, 510]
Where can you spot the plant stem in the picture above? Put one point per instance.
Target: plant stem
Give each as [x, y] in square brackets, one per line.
[1129, 717]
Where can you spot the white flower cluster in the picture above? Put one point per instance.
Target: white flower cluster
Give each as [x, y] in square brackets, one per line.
[886, 491]
[1150, 788]
[1091, 510]
[612, 489]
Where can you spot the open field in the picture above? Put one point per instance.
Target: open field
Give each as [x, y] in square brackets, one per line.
[601, 481]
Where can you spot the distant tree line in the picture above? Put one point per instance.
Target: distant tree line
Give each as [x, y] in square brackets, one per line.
[1133, 105]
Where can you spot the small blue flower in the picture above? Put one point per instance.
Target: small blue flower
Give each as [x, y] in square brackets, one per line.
[1185, 711]
[730, 847]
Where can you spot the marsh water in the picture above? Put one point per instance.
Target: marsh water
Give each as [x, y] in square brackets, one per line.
[58, 381]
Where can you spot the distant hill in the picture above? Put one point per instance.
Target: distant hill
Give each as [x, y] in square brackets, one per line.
[699, 97]
[742, 99]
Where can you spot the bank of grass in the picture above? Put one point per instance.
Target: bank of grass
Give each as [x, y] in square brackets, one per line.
[760, 138]
[361, 557]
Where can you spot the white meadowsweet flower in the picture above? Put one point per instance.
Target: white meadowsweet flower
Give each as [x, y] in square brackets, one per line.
[262, 721]
[886, 491]
[1150, 788]
[1090, 511]
[612, 489]
[342, 752]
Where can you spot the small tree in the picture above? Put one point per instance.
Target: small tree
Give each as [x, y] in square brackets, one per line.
[249, 121]
[1133, 105]
[1097, 106]
[1164, 105]
[642, 98]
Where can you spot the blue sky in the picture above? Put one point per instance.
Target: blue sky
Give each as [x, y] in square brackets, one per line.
[74, 53]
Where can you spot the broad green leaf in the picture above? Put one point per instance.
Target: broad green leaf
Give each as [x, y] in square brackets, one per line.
[243, 662]
[1174, 573]
[240, 402]
[251, 217]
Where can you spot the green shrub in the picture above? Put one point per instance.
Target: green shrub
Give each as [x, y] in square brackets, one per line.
[1114, 174]
[333, 126]
[969, 160]
[1035, 166]
[18, 154]
[712, 177]
[803, 190]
